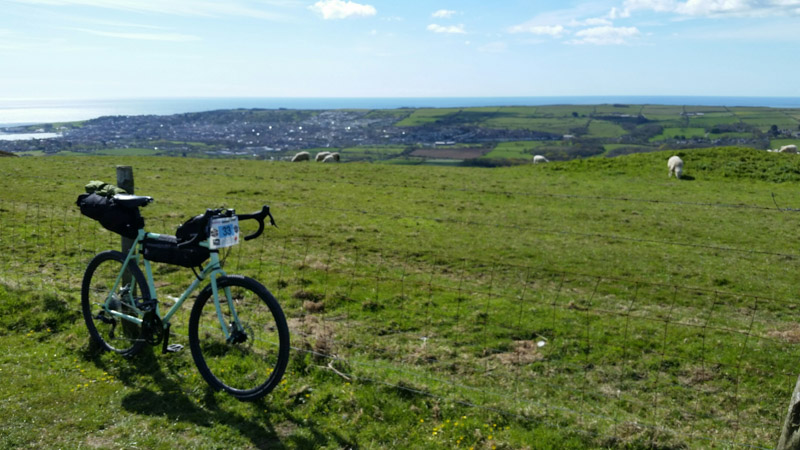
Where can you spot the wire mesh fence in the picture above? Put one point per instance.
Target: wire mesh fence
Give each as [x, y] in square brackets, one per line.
[609, 356]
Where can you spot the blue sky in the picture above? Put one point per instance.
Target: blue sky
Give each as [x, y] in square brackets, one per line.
[100, 49]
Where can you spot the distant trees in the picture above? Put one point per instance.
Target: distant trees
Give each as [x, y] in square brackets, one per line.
[643, 133]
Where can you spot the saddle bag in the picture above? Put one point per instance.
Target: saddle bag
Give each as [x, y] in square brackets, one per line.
[113, 217]
[165, 249]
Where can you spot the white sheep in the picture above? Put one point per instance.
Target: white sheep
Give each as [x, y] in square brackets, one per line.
[302, 156]
[321, 156]
[539, 159]
[333, 157]
[789, 149]
[675, 165]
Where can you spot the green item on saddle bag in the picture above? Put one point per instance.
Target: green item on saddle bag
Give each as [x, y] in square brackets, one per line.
[102, 188]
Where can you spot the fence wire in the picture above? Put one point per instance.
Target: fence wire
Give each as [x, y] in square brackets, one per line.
[608, 356]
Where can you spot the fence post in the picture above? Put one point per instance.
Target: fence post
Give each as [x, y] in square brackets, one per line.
[125, 181]
[790, 436]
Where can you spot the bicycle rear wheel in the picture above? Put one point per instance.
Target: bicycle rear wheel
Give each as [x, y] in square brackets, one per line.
[100, 299]
[250, 362]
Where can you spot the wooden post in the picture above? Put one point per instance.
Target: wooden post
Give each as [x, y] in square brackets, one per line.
[125, 178]
[125, 181]
[790, 436]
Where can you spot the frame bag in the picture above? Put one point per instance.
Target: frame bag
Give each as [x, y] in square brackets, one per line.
[165, 249]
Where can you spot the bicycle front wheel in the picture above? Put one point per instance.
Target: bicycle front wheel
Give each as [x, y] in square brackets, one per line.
[249, 359]
[108, 301]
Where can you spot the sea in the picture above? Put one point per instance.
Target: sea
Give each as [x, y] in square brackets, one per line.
[28, 112]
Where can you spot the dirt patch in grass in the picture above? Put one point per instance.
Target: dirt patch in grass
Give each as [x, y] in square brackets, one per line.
[315, 334]
[791, 335]
[524, 352]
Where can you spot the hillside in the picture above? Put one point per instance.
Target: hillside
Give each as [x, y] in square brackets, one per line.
[584, 303]
[490, 136]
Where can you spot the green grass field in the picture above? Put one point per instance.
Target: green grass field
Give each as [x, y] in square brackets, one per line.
[604, 129]
[560, 125]
[128, 152]
[580, 304]
[687, 133]
[592, 127]
[426, 116]
[514, 150]
[778, 143]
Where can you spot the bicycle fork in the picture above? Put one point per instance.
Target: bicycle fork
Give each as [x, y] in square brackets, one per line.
[234, 331]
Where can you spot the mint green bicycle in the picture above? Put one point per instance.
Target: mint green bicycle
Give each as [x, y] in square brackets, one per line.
[238, 334]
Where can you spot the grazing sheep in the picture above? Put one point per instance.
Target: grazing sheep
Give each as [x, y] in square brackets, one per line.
[330, 159]
[789, 149]
[539, 159]
[302, 156]
[321, 156]
[675, 165]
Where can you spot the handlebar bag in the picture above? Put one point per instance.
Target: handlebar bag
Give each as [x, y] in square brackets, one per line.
[197, 225]
[165, 249]
[119, 219]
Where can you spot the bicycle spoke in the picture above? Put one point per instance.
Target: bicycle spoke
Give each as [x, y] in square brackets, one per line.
[248, 363]
[108, 289]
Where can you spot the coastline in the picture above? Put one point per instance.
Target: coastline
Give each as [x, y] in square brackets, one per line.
[28, 112]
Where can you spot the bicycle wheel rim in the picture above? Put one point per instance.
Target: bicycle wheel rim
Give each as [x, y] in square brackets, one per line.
[110, 332]
[250, 369]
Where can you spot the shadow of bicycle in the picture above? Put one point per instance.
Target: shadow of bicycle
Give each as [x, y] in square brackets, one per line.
[170, 400]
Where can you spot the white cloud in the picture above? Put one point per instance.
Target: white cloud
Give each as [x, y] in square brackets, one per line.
[338, 9]
[715, 8]
[168, 37]
[443, 14]
[771, 31]
[494, 47]
[178, 7]
[617, 14]
[452, 29]
[653, 5]
[591, 22]
[539, 30]
[606, 35]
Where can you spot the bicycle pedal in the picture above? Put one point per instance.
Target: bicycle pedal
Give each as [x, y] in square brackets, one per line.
[172, 348]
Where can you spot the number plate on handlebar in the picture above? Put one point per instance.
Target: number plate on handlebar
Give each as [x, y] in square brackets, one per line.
[224, 232]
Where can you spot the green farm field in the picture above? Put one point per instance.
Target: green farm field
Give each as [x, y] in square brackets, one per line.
[563, 132]
[593, 303]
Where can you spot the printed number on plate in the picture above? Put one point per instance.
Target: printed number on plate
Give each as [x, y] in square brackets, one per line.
[224, 232]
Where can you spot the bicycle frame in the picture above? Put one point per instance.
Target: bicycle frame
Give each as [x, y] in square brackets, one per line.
[212, 270]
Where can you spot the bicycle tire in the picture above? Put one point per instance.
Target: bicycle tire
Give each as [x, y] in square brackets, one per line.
[250, 369]
[110, 333]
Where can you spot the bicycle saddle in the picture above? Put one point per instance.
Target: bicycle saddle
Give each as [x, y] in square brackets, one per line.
[132, 201]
